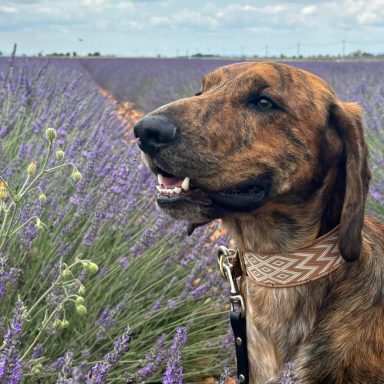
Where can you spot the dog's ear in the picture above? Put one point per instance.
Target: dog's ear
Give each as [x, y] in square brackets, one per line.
[346, 118]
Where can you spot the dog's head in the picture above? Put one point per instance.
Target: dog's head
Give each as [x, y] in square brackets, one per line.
[256, 134]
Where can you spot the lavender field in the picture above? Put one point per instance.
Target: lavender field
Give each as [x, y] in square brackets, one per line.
[96, 284]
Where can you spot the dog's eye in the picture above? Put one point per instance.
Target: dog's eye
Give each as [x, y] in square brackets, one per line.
[262, 103]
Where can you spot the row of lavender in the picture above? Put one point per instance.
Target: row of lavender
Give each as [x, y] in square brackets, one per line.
[96, 285]
[150, 83]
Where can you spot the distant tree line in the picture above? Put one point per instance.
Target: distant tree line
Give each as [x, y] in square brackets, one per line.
[68, 54]
[355, 54]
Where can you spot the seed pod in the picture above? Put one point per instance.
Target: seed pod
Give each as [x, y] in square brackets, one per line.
[3, 191]
[81, 290]
[39, 224]
[42, 198]
[36, 370]
[80, 309]
[76, 175]
[79, 300]
[66, 273]
[31, 168]
[57, 323]
[90, 266]
[51, 134]
[64, 323]
[59, 154]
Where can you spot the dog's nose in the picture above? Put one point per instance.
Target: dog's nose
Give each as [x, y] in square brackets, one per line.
[154, 133]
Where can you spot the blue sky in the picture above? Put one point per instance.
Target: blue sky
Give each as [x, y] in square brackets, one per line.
[170, 27]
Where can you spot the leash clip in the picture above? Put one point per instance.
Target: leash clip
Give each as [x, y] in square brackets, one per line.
[226, 257]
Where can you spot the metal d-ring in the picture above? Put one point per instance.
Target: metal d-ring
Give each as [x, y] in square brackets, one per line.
[225, 257]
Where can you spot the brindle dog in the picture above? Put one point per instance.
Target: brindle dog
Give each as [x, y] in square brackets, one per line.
[270, 150]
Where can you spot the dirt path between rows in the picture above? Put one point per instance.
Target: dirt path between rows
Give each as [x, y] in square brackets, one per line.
[125, 112]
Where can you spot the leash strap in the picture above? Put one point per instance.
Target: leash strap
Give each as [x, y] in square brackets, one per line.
[240, 334]
[229, 268]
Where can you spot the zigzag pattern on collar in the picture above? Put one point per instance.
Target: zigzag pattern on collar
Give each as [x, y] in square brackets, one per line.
[296, 268]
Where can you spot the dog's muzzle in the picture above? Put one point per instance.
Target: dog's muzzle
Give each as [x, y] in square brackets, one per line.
[154, 133]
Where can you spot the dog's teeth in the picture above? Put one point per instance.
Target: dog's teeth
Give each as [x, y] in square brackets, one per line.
[160, 178]
[169, 191]
[185, 184]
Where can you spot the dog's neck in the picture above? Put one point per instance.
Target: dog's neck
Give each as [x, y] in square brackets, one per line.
[278, 227]
[284, 228]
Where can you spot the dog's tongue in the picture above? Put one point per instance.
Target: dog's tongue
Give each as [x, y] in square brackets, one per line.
[171, 182]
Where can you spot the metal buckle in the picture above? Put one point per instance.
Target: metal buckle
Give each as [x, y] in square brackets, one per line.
[225, 257]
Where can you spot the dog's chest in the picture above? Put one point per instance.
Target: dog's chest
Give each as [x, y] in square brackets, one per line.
[278, 320]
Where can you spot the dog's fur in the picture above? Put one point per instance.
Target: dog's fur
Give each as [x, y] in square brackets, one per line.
[311, 147]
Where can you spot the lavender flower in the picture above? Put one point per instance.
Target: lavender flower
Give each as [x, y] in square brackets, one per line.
[172, 303]
[153, 360]
[288, 377]
[174, 371]
[10, 365]
[37, 351]
[226, 374]
[99, 372]
[7, 275]
[124, 263]
[59, 363]
[121, 346]
[107, 319]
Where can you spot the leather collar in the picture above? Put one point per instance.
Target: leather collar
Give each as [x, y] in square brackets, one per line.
[283, 270]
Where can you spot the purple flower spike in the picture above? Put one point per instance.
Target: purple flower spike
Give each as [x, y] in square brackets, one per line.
[121, 346]
[10, 365]
[287, 377]
[37, 351]
[225, 375]
[153, 360]
[7, 276]
[174, 371]
[99, 372]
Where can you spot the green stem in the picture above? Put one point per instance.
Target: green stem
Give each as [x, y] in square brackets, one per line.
[53, 286]
[43, 296]
[4, 221]
[22, 225]
[49, 170]
[8, 229]
[39, 175]
[46, 292]
[13, 198]
[25, 183]
[41, 331]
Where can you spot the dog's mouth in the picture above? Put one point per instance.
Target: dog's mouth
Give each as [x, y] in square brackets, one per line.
[173, 190]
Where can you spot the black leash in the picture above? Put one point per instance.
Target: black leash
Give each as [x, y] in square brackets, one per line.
[240, 335]
[230, 270]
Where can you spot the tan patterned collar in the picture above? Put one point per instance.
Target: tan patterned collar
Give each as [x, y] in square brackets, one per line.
[296, 268]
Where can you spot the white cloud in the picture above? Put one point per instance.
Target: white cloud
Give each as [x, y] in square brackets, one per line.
[8, 9]
[194, 18]
[367, 17]
[309, 10]
[160, 21]
[274, 8]
[92, 3]
[363, 12]
[246, 22]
